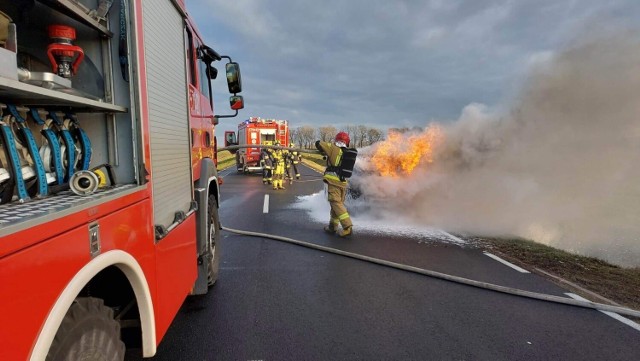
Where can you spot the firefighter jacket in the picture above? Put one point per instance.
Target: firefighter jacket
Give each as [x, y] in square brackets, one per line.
[334, 155]
[278, 158]
[295, 156]
[286, 157]
[266, 158]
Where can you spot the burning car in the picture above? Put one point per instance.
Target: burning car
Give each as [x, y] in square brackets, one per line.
[397, 156]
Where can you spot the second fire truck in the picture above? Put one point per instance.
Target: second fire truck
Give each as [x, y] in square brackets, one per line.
[257, 131]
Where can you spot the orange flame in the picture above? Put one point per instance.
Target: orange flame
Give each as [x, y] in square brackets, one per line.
[400, 154]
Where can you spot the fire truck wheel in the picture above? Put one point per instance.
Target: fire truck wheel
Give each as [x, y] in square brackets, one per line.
[214, 241]
[88, 332]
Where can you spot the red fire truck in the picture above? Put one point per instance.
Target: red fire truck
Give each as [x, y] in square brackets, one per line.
[108, 185]
[256, 130]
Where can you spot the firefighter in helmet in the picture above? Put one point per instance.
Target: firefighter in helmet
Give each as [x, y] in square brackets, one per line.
[286, 157]
[295, 159]
[336, 186]
[266, 162]
[278, 167]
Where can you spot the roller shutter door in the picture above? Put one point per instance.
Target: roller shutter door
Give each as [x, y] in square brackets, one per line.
[168, 114]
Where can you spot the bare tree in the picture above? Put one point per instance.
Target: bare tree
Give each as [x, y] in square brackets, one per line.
[414, 129]
[296, 136]
[307, 135]
[293, 136]
[361, 131]
[327, 133]
[400, 130]
[374, 135]
[352, 130]
[361, 135]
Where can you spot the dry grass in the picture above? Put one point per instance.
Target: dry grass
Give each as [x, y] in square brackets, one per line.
[620, 285]
[315, 161]
[225, 160]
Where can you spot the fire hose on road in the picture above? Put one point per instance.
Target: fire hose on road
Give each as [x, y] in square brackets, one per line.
[426, 272]
[444, 276]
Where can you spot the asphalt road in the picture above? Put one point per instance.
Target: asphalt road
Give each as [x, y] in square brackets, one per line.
[277, 301]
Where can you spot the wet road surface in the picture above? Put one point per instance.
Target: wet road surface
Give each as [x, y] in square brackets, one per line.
[277, 301]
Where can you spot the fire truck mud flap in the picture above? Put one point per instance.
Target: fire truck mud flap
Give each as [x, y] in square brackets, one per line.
[207, 228]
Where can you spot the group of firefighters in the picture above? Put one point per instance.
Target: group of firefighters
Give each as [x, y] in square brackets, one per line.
[279, 165]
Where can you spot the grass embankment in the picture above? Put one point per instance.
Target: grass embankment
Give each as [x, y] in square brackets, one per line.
[225, 160]
[314, 161]
[620, 285]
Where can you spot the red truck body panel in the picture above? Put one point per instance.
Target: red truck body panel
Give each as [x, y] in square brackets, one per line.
[39, 262]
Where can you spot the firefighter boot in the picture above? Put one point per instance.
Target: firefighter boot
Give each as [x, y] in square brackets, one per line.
[330, 229]
[345, 232]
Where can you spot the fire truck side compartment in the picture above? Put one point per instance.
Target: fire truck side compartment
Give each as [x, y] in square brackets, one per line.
[114, 135]
[168, 113]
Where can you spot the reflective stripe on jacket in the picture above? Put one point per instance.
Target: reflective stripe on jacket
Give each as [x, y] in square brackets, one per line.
[334, 155]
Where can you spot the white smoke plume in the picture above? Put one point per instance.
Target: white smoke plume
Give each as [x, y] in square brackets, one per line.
[561, 166]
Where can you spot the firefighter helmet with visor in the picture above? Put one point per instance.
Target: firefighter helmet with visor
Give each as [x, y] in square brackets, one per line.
[343, 137]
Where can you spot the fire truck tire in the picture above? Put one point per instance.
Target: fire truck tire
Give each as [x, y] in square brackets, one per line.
[88, 332]
[214, 241]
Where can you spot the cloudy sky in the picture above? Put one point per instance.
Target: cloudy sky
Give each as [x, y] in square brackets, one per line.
[390, 63]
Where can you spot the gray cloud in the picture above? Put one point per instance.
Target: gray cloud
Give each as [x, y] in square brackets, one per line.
[391, 62]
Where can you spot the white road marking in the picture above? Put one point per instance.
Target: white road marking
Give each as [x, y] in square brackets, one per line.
[624, 320]
[265, 206]
[521, 270]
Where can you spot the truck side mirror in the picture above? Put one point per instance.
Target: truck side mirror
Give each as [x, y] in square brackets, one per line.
[230, 138]
[233, 77]
[236, 102]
